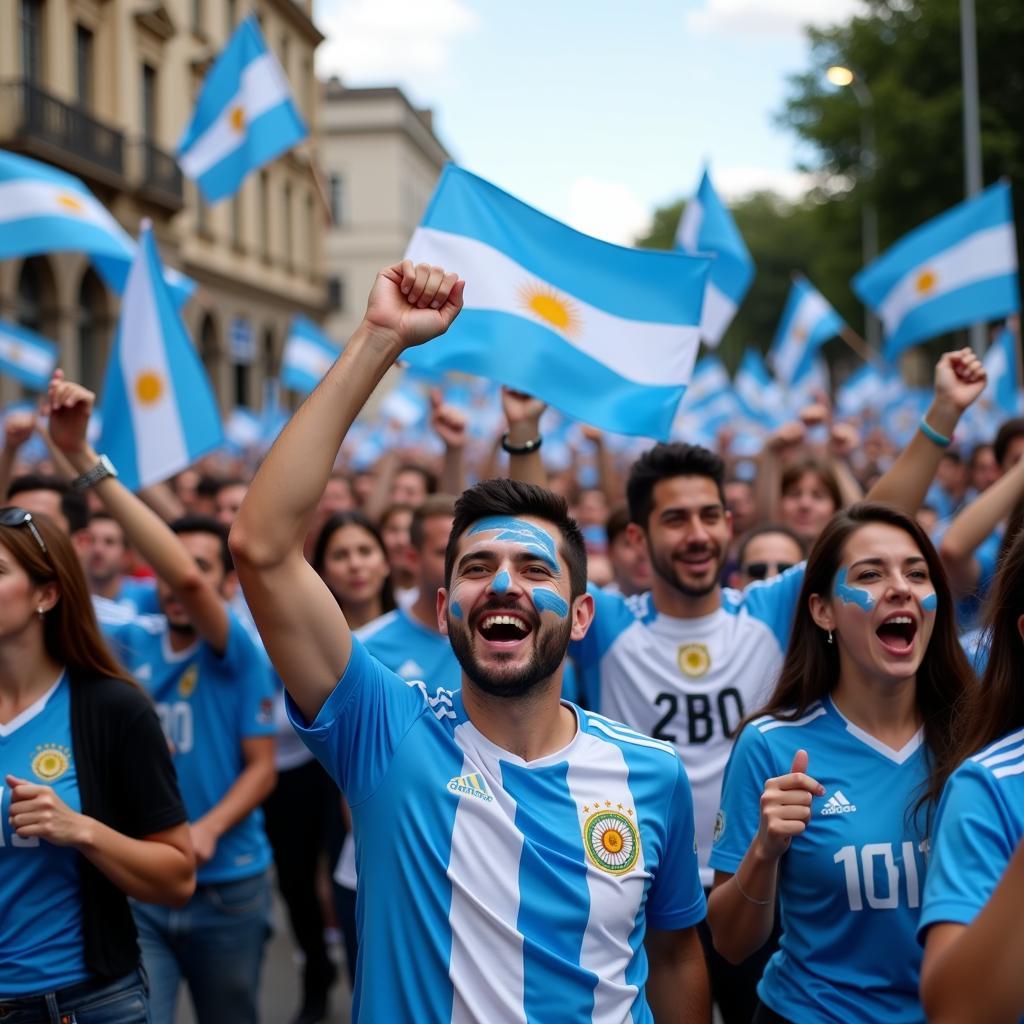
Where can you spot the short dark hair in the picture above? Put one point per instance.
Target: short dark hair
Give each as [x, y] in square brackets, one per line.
[514, 498]
[207, 524]
[429, 478]
[760, 531]
[435, 506]
[231, 481]
[796, 471]
[207, 486]
[664, 461]
[73, 505]
[1005, 436]
[618, 520]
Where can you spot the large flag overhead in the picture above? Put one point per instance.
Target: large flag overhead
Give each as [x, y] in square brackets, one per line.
[26, 356]
[606, 334]
[957, 269]
[245, 116]
[159, 413]
[308, 355]
[808, 321]
[706, 226]
[43, 209]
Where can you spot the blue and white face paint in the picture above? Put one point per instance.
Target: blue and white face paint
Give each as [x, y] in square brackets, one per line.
[852, 595]
[930, 602]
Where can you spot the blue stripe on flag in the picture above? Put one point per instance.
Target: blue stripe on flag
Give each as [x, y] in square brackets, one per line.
[41, 350]
[733, 270]
[636, 284]
[520, 353]
[33, 235]
[297, 377]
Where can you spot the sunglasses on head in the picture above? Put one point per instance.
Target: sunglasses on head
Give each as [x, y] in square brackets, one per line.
[760, 570]
[14, 516]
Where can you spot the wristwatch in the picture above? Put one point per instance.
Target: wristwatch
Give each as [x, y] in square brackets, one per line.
[100, 471]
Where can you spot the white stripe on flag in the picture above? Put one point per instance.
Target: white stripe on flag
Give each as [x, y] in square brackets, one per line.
[813, 307]
[653, 354]
[689, 227]
[21, 353]
[156, 421]
[22, 199]
[717, 314]
[988, 253]
[307, 357]
[263, 87]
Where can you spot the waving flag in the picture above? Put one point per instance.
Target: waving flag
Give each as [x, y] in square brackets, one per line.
[308, 355]
[159, 413]
[1001, 365]
[606, 334]
[759, 392]
[707, 227]
[43, 209]
[872, 387]
[957, 269]
[27, 356]
[244, 117]
[808, 321]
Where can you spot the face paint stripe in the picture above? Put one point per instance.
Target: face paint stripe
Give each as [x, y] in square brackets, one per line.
[852, 595]
[548, 601]
[456, 610]
[930, 602]
[518, 531]
[502, 582]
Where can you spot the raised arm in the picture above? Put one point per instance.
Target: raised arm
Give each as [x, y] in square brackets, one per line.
[523, 413]
[303, 628]
[450, 424]
[18, 428]
[959, 380]
[70, 408]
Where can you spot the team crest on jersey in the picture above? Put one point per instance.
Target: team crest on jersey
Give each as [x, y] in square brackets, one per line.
[611, 839]
[51, 762]
[719, 827]
[188, 681]
[693, 659]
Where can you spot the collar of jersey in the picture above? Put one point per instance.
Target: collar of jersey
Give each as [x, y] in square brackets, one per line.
[35, 708]
[900, 756]
[173, 657]
[483, 746]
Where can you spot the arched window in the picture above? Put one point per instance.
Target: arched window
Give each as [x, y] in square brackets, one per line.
[93, 331]
[271, 369]
[36, 295]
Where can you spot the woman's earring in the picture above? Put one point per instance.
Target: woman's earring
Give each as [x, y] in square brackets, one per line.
[40, 611]
[830, 636]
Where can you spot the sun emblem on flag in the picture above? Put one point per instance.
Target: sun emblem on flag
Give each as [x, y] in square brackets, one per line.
[612, 841]
[693, 660]
[51, 762]
[800, 332]
[926, 282]
[149, 387]
[14, 352]
[556, 310]
[69, 203]
[237, 119]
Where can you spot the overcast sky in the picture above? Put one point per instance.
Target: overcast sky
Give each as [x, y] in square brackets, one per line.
[595, 112]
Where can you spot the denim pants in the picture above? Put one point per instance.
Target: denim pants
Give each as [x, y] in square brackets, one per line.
[215, 943]
[122, 1001]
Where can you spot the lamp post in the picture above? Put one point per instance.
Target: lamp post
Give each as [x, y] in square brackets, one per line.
[846, 77]
[972, 130]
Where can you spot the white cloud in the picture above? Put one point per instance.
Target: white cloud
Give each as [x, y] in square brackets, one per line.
[609, 210]
[768, 17]
[370, 42]
[734, 182]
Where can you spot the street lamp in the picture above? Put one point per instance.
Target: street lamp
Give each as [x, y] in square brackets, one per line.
[843, 77]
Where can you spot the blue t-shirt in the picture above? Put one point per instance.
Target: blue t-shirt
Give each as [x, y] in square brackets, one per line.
[850, 884]
[207, 705]
[492, 888]
[410, 650]
[41, 945]
[979, 823]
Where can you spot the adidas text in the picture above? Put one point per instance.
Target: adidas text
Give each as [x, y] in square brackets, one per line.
[838, 804]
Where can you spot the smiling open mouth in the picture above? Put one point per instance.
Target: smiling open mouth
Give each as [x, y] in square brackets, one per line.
[897, 634]
[499, 628]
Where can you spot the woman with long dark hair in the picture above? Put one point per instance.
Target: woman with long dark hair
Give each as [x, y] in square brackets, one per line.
[90, 807]
[971, 918]
[829, 790]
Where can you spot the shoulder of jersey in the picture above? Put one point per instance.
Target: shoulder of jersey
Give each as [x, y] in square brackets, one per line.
[1004, 758]
[374, 626]
[111, 613]
[615, 732]
[769, 723]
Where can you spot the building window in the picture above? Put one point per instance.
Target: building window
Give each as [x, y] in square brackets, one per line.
[270, 367]
[337, 185]
[92, 331]
[232, 12]
[289, 250]
[310, 231]
[149, 103]
[32, 296]
[209, 348]
[242, 385]
[336, 294]
[265, 214]
[32, 39]
[236, 221]
[84, 65]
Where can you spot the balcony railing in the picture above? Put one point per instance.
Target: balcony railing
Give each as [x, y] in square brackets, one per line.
[161, 176]
[41, 121]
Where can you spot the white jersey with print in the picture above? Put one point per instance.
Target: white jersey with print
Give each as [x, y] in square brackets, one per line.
[689, 682]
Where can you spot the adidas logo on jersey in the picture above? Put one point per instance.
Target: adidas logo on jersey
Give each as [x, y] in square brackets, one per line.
[838, 804]
[471, 785]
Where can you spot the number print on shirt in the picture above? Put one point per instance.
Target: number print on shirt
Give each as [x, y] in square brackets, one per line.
[875, 858]
[701, 721]
[176, 721]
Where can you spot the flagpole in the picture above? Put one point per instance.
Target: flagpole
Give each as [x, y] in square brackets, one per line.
[972, 130]
[858, 345]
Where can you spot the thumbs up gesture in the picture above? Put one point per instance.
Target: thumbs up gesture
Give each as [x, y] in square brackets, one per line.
[786, 808]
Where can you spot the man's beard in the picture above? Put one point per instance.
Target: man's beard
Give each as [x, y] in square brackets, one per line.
[666, 570]
[548, 655]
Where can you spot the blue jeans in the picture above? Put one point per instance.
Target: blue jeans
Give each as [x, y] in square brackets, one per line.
[215, 943]
[90, 1002]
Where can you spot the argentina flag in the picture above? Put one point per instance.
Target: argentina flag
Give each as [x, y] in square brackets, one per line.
[707, 227]
[958, 269]
[760, 393]
[27, 356]
[808, 321]
[606, 334]
[1003, 370]
[159, 413]
[308, 355]
[43, 209]
[245, 116]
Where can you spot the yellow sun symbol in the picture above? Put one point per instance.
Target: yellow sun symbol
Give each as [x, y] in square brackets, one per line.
[149, 387]
[612, 841]
[926, 281]
[556, 310]
[69, 203]
[14, 352]
[693, 660]
[237, 119]
[50, 763]
[800, 333]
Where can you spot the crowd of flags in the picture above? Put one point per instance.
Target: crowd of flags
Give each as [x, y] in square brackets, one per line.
[605, 334]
